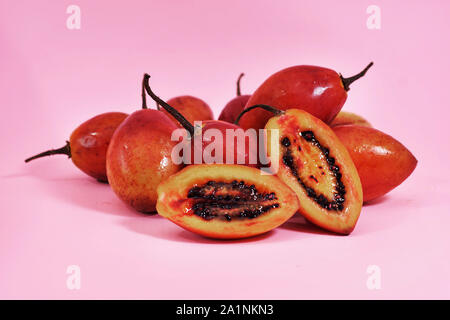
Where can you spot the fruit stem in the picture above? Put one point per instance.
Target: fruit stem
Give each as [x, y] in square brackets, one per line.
[262, 106]
[64, 150]
[238, 84]
[178, 116]
[346, 82]
[143, 95]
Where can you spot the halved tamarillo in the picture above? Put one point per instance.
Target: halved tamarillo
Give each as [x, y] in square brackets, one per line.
[317, 166]
[383, 163]
[225, 201]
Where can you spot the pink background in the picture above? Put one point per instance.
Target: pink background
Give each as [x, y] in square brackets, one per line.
[52, 79]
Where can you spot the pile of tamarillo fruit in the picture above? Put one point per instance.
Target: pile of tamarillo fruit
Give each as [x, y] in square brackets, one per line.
[321, 162]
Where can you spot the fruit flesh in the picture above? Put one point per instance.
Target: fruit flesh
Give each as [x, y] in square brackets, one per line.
[316, 90]
[382, 162]
[317, 166]
[139, 158]
[314, 169]
[264, 201]
[230, 200]
[192, 108]
[345, 118]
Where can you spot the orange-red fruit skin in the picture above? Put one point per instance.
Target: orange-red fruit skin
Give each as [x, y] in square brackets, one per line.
[234, 108]
[238, 152]
[292, 123]
[192, 108]
[346, 118]
[90, 140]
[139, 158]
[317, 90]
[174, 204]
[383, 163]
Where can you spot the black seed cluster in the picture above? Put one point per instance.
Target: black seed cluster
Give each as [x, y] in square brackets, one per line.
[239, 201]
[286, 142]
[337, 204]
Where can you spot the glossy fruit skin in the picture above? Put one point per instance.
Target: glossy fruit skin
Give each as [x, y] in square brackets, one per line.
[139, 158]
[234, 108]
[192, 108]
[174, 204]
[200, 137]
[383, 163]
[291, 123]
[346, 118]
[237, 152]
[90, 140]
[317, 90]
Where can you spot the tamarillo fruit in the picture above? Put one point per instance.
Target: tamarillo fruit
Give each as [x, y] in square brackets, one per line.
[225, 201]
[314, 163]
[139, 157]
[320, 91]
[383, 163]
[211, 135]
[88, 144]
[347, 118]
[233, 108]
[192, 108]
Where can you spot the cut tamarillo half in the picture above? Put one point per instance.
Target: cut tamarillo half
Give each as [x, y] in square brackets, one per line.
[225, 201]
[317, 166]
[383, 163]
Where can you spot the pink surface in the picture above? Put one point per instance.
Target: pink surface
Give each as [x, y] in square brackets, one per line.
[53, 78]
